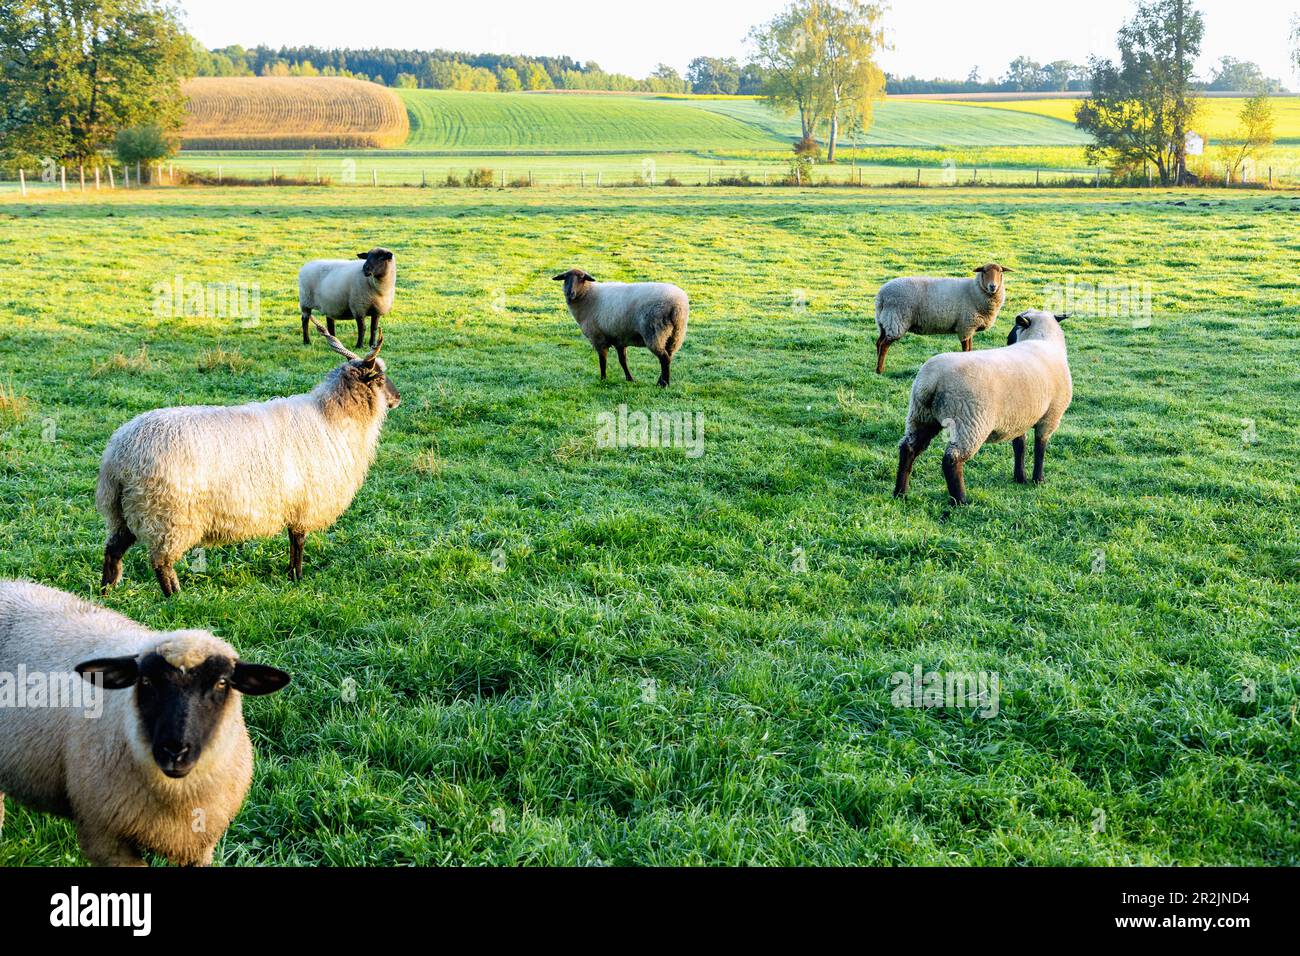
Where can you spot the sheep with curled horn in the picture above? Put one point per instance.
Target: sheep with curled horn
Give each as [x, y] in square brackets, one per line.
[178, 478]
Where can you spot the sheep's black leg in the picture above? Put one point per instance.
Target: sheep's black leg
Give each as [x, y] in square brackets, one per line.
[306, 318]
[297, 539]
[114, 551]
[167, 579]
[665, 370]
[361, 332]
[1018, 447]
[604, 357]
[1040, 452]
[954, 466]
[329, 324]
[967, 344]
[374, 329]
[622, 360]
[882, 347]
[909, 449]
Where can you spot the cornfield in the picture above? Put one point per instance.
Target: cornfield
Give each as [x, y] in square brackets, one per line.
[292, 113]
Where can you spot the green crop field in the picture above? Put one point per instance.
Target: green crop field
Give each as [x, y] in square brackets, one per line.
[563, 653]
[477, 122]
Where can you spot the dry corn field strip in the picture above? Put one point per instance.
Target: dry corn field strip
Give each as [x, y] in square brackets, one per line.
[292, 113]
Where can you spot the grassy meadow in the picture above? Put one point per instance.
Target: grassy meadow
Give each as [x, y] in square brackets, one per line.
[573, 655]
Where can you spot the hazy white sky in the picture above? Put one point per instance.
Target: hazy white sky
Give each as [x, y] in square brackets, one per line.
[930, 37]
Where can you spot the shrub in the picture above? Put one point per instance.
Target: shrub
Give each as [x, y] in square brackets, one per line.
[143, 144]
[480, 178]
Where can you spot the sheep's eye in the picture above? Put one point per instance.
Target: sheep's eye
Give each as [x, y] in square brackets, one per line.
[146, 683]
[223, 684]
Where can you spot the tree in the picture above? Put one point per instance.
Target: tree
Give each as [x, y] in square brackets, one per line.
[537, 78]
[786, 57]
[819, 58]
[752, 79]
[1254, 134]
[1295, 43]
[72, 74]
[1140, 109]
[848, 40]
[1241, 76]
[508, 80]
[143, 144]
[1025, 74]
[713, 76]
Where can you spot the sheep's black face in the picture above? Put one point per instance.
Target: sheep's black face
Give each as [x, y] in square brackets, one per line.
[181, 708]
[575, 283]
[378, 262]
[376, 376]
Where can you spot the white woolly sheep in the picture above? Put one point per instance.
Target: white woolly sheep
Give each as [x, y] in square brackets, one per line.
[163, 768]
[994, 395]
[176, 478]
[653, 315]
[928, 306]
[348, 289]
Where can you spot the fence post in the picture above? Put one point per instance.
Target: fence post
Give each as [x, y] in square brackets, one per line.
[63, 178]
[219, 175]
[600, 179]
[374, 176]
[81, 170]
[96, 179]
[126, 176]
[1098, 183]
[583, 176]
[22, 183]
[111, 184]
[1227, 175]
[1038, 177]
[171, 173]
[273, 175]
[138, 180]
[918, 175]
[1270, 177]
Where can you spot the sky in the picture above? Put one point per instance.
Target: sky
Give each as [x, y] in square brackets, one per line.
[930, 38]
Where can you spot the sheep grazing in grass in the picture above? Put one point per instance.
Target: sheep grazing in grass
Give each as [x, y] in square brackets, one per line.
[149, 752]
[652, 315]
[994, 395]
[177, 478]
[928, 306]
[349, 289]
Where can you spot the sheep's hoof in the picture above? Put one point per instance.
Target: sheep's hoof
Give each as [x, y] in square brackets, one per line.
[1020, 480]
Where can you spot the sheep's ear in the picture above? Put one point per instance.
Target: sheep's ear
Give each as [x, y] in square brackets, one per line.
[258, 680]
[1006, 270]
[1062, 318]
[1023, 320]
[363, 255]
[979, 270]
[115, 673]
[560, 278]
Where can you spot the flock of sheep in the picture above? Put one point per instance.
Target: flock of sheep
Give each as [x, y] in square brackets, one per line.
[176, 750]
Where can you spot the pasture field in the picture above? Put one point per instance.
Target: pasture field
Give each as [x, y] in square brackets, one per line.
[569, 654]
[291, 113]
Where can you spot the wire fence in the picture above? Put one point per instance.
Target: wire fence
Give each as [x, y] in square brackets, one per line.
[648, 174]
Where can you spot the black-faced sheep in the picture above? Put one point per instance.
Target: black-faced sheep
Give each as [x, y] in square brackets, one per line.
[652, 315]
[994, 395]
[152, 755]
[177, 478]
[929, 306]
[349, 289]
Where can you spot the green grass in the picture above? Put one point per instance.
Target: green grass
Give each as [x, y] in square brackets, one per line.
[920, 123]
[517, 697]
[475, 122]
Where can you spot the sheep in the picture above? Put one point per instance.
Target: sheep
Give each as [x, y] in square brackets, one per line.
[176, 478]
[162, 769]
[619, 314]
[347, 289]
[993, 395]
[929, 306]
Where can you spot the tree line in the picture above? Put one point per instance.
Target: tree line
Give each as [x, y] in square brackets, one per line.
[78, 79]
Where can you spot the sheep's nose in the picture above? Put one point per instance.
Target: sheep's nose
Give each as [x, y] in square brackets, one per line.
[176, 752]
